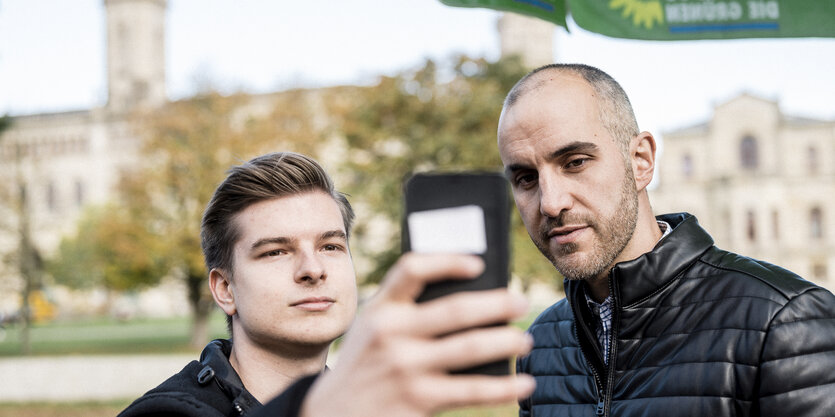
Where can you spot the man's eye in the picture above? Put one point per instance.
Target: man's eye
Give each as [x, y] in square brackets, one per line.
[525, 180]
[275, 252]
[576, 163]
[332, 247]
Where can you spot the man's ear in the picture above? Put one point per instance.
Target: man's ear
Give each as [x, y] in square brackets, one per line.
[220, 283]
[642, 151]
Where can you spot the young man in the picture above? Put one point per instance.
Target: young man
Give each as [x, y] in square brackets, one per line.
[275, 241]
[656, 321]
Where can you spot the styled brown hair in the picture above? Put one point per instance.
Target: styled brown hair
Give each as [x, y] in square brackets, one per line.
[269, 176]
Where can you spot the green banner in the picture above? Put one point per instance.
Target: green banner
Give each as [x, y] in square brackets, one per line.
[705, 19]
[551, 10]
[681, 19]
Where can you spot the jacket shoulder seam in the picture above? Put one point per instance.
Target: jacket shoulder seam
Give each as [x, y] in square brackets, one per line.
[782, 291]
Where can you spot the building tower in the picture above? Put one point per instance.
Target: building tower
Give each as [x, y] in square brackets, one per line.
[530, 38]
[135, 53]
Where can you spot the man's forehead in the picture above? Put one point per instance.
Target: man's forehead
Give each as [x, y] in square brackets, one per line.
[564, 93]
[303, 213]
[547, 81]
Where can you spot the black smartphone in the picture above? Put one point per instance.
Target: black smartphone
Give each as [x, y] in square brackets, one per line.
[461, 213]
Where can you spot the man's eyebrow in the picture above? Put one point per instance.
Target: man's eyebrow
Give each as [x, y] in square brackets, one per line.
[334, 234]
[510, 169]
[572, 148]
[569, 149]
[281, 240]
[272, 240]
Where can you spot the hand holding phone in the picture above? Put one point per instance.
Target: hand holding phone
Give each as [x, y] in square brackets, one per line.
[461, 213]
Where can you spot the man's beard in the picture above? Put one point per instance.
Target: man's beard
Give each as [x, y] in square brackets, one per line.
[611, 237]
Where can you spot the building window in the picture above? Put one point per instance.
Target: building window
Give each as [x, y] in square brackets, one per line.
[51, 197]
[816, 223]
[79, 193]
[775, 224]
[728, 224]
[751, 226]
[23, 195]
[819, 271]
[812, 159]
[748, 153]
[687, 166]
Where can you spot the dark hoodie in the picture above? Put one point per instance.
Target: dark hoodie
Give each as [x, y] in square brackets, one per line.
[212, 388]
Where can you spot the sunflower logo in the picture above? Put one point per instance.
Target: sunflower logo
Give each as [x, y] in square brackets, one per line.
[643, 13]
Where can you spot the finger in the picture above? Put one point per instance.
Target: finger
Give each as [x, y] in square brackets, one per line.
[457, 351]
[452, 391]
[407, 278]
[477, 347]
[464, 310]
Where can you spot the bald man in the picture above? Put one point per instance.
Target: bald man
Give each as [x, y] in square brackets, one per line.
[656, 320]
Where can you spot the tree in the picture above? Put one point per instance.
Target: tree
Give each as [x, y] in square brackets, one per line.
[187, 147]
[433, 118]
[25, 256]
[108, 251]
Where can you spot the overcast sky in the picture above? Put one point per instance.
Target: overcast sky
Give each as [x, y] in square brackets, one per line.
[52, 54]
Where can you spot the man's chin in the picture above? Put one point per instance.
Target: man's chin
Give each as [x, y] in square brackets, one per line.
[575, 267]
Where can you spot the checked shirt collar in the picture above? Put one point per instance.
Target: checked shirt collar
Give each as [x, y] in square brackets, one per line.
[603, 311]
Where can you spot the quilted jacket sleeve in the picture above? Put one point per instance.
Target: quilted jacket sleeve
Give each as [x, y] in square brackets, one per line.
[798, 358]
[525, 403]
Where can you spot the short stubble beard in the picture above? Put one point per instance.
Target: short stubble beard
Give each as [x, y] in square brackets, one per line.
[613, 234]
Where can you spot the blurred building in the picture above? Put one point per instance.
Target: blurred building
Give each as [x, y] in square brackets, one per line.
[761, 182]
[68, 160]
[529, 38]
[64, 162]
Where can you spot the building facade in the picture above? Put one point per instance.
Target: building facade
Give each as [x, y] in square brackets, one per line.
[65, 162]
[60, 163]
[760, 181]
[529, 38]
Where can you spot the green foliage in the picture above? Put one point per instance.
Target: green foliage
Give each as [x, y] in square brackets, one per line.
[187, 148]
[111, 250]
[433, 118]
[5, 122]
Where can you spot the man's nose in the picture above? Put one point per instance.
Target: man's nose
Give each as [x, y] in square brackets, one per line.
[554, 195]
[310, 269]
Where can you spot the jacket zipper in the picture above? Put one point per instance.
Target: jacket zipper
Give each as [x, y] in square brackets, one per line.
[601, 404]
[610, 361]
[597, 381]
[610, 377]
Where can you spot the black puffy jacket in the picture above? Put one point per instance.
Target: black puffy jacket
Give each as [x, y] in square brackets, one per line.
[697, 331]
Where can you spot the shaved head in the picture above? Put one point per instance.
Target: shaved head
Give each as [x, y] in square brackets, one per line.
[615, 110]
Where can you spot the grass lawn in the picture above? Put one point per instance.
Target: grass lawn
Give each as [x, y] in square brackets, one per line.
[111, 336]
[137, 336]
[108, 336]
[110, 409]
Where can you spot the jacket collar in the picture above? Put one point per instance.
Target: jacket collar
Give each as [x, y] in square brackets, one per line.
[634, 280]
[216, 366]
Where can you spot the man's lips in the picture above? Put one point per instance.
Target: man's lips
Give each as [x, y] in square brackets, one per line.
[566, 234]
[314, 303]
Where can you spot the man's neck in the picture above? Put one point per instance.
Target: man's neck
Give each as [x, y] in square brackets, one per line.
[599, 287]
[647, 234]
[266, 373]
